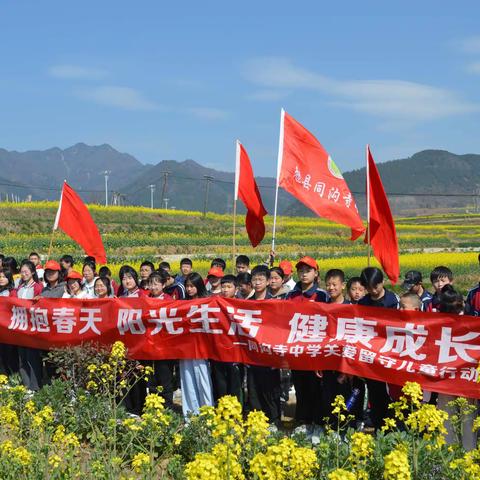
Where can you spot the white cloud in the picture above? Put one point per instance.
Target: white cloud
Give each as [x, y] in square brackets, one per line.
[474, 67]
[75, 72]
[390, 99]
[208, 113]
[121, 97]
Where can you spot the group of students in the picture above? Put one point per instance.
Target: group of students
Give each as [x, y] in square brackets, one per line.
[203, 382]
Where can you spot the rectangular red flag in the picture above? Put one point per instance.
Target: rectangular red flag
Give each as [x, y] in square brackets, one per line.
[247, 190]
[307, 171]
[383, 236]
[75, 220]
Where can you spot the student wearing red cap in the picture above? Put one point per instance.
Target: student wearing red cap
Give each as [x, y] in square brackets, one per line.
[288, 281]
[309, 410]
[214, 277]
[74, 286]
[54, 283]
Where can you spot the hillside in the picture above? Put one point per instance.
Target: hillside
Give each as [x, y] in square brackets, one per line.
[81, 165]
[440, 181]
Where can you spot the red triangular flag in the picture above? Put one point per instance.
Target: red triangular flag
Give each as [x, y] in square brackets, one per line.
[246, 189]
[75, 220]
[383, 236]
[308, 172]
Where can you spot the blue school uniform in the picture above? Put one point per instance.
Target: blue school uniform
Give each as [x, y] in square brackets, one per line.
[472, 303]
[315, 294]
[389, 300]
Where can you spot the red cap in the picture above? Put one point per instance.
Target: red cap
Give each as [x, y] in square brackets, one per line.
[215, 272]
[52, 265]
[307, 261]
[286, 266]
[73, 275]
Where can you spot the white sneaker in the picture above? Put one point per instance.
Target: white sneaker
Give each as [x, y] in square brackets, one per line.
[306, 430]
[316, 434]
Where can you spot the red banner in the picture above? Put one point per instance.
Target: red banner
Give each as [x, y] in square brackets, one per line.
[439, 351]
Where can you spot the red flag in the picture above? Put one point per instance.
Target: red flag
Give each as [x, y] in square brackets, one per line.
[75, 220]
[308, 172]
[246, 189]
[383, 236]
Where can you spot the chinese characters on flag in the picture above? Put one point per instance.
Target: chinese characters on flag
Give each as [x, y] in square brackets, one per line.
[308, 172]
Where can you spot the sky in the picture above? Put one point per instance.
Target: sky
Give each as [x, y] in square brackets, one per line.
[184, 80]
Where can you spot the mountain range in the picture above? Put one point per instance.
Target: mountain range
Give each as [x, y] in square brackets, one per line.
[431, 180]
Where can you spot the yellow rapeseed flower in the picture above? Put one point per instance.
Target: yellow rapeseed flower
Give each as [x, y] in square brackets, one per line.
[140, 461]
[8, 417]
[22, 456]
[3, 380]
[361, 446]
[341, 474]
[396, 465]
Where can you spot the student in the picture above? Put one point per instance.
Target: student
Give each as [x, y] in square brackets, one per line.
[229, 285]
[186, 267]
[355, 290]
[410, 302]
[107, 273]
[242, 264]
[413, 283]
[472, 303]
[196, 382]
[8, 353]
[54, 283]
[173, 288]
[214, 277]
[377, 296]
[309, 410]
[162, 381]
[9, 263]
[227, 377]
[7, 284]
[277, 288]
[89, 275]
[164, 266]
[264, 384]
[146, 269]
[66, 262]
[451, 301]
[335, 286]
[29, 286]
[103, 288]
[439, 277]
[74, 287]
[218, 262]
[34, 257]
[286, 266]
[245, 287]
[156, 285]
[130, 284]
[30, 359]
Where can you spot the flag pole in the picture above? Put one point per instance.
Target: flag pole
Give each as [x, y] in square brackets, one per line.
[279, 168]
[368, 206]
[55, 224]
[235, 196]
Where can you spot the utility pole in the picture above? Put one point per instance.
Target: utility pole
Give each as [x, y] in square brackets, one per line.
[164, 187]
[107, 174]
[152, 189]
[208, 179]
[166, 203]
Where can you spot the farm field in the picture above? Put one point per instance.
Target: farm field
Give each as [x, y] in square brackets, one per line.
[134, 234]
